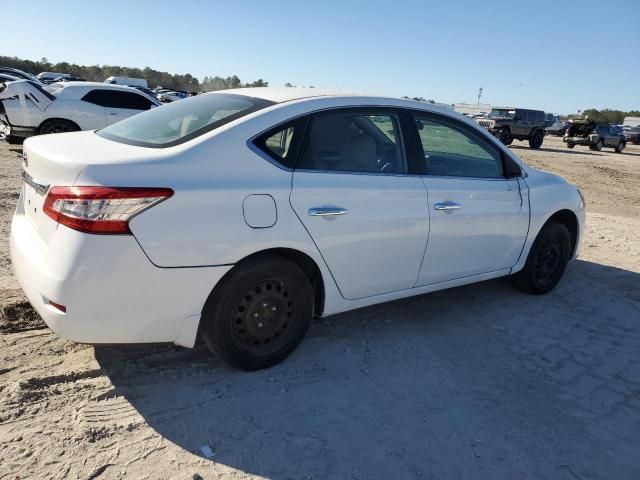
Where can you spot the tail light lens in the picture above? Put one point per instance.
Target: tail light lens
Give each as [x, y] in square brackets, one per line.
[101, 210]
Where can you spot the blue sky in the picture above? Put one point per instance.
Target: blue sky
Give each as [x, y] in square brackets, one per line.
[531, 54]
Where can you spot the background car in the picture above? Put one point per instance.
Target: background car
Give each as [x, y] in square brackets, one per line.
[510, 123]
[7, 78]
[69, 79]
[559, 128]
[631, 129]
[172, 96]
[14, 72]
[238, 216]
[28, 109]
[595, 136]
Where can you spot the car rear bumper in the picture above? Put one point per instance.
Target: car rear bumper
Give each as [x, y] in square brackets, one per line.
[111, 291]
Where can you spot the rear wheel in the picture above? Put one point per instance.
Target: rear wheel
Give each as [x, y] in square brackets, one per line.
[535, 140]
[570, 144]
[259, 313]
[58, 126]
[598, 146]
[547, 260]
[620, 147]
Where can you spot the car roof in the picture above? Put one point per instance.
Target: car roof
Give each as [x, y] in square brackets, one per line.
[286, 94]
[74, 90]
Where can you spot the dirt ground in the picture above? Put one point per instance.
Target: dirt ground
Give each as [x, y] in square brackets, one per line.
[475, 382]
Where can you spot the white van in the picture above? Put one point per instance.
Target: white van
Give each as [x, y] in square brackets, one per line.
[129, 81]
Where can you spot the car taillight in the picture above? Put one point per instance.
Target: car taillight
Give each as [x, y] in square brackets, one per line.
[102, 210]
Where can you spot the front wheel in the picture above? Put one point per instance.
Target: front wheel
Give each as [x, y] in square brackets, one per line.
[598, 146]
[570, 144]
[620, 147]
[547, 260]
[504, 135]
[259, 313]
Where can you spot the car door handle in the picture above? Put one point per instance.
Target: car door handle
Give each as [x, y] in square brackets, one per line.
[327, 211]
[114, 113]
[446, 206]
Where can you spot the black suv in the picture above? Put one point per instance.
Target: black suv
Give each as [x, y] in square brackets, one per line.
[508, 123]
[596, 136]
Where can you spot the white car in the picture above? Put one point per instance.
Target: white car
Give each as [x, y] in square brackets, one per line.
[28, 109]
[238, 216]
[171, 96]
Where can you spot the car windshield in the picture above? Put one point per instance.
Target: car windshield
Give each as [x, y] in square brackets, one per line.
[502, 113]
[181, 121]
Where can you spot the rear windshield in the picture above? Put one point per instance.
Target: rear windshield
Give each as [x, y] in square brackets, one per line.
[182, 120]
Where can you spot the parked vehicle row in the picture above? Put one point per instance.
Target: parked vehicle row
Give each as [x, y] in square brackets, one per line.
[246, 213]
[28, 108]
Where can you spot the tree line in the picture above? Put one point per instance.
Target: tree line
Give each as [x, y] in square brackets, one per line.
[98, 73]
[615, 117]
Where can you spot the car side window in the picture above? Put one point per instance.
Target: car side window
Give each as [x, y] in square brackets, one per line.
[118, 99]
[354, 141]
[282, 143]
[451, 150]
[531, 116]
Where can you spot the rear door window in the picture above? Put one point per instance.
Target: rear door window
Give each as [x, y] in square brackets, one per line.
[118, 99]
[360, 140]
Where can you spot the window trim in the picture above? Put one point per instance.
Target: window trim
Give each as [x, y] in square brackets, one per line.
[397, 112]
[510, 169]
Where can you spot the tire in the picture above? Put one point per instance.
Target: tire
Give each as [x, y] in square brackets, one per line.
[598, 146]
[13, 140]
[570, 144]
[535, 140]
[58, 126]
[547, 260]
[259, 313]
[620, 147]
[504, 135]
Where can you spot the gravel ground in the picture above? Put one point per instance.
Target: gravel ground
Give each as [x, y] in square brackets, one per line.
[474, 382]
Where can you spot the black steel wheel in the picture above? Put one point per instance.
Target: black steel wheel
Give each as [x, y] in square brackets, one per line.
[547, 260]
[259, 313]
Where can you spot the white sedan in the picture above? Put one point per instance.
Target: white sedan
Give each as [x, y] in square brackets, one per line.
[238, 216]
[28, 108]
